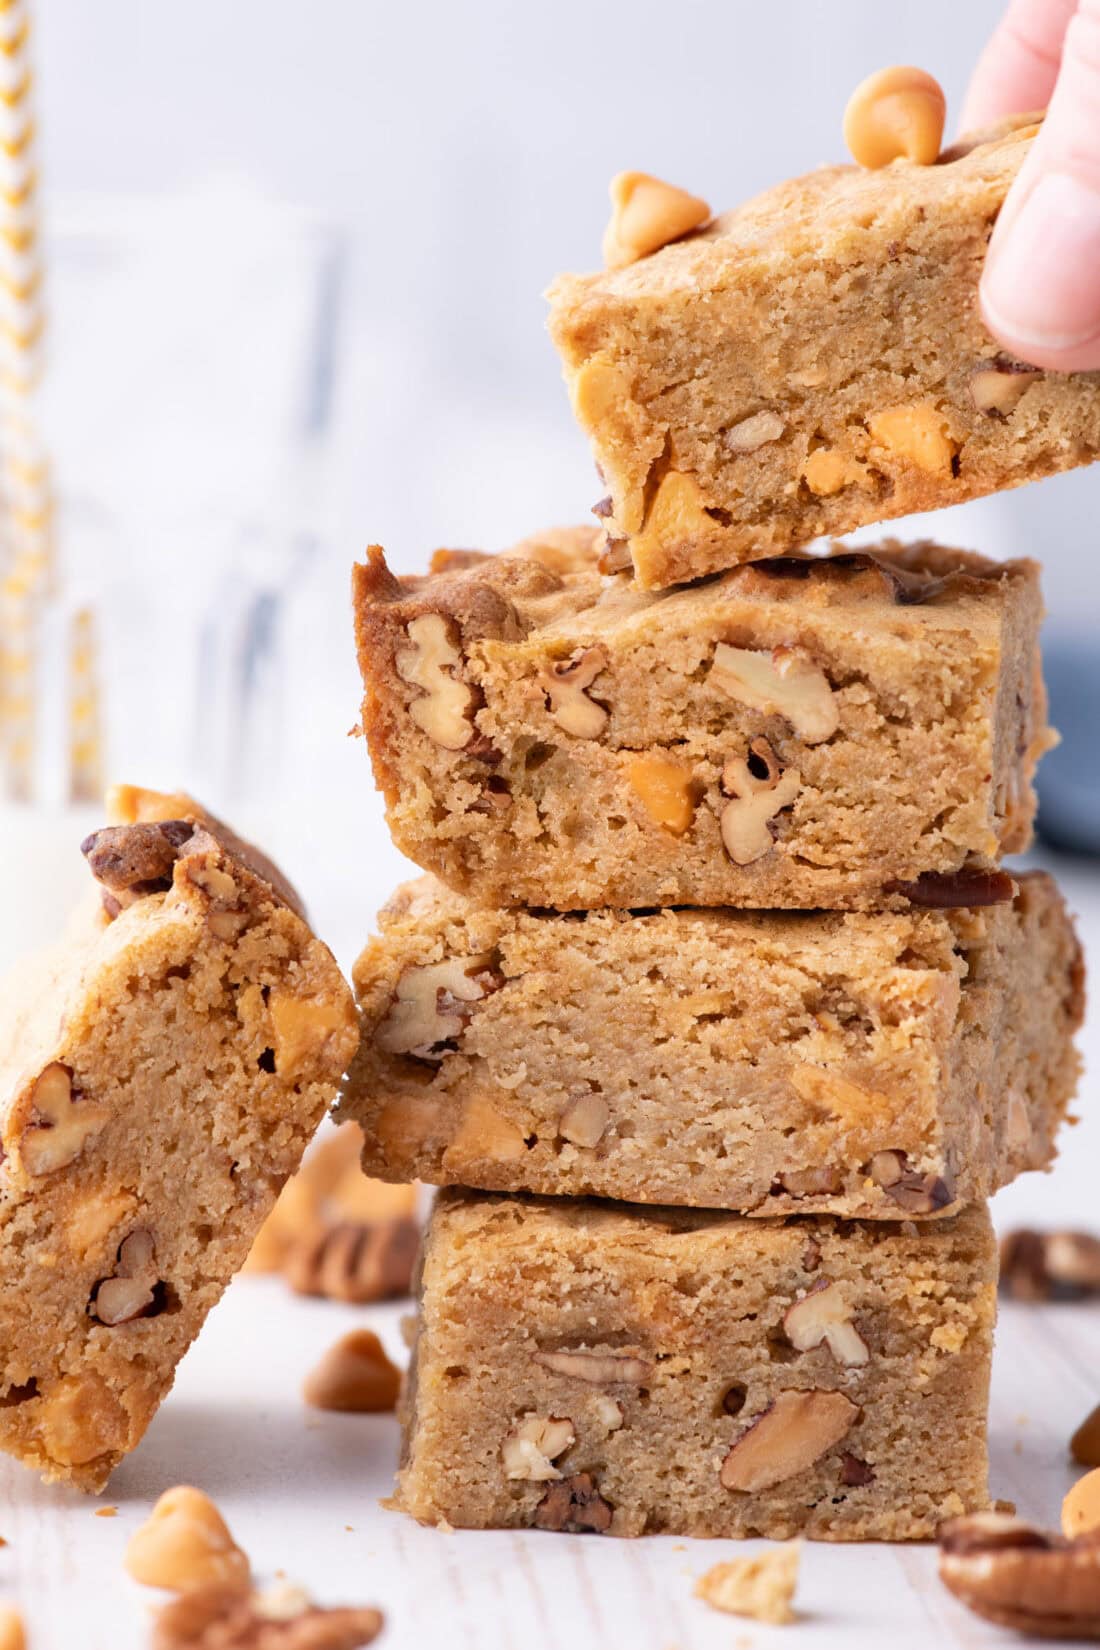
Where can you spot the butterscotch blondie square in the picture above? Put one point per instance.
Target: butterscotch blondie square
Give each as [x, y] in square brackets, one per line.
[591, 1367]
[811, 362]
[835, 732]
[161, 1072]
[878, 1065]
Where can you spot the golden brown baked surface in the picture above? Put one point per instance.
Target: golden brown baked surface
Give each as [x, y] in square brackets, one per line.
[811, 362]
[877, 1065]
[799, 732]
[161, 1072]
[586, 1366]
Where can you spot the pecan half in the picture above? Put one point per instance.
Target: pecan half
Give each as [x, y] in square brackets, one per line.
[917, 1194]
[1012, 1574]
[225, 1618]
[356, 1261]
[1045, 1266]
[131, 1290]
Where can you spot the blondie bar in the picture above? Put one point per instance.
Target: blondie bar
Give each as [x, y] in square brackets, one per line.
[591, 1367]
[161, 1071]
[811, 362]
[801, 732]
[767, 1062]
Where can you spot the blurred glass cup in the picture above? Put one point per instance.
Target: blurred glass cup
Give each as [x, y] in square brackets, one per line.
[186, 408]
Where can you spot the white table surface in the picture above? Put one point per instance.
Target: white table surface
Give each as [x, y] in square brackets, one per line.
[301, 1490]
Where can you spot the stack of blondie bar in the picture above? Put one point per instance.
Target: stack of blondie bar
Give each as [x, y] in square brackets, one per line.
[723, 1020]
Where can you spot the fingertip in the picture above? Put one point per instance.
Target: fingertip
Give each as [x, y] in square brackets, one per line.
[1039, 290]
[1050, 355]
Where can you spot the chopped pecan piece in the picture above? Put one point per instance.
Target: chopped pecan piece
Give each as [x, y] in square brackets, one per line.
[574, 1505]
[565, 685]
[61, 1121]
[131, 861]
[131, 1290]
[795, 1430]
[598, 1368]
[917, 1194]
[854, 1472]
[761, 790]
[825, 1315]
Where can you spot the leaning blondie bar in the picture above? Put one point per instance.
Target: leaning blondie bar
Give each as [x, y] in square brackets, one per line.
[875, 1065]
[802, 732]
[161, 1072]
[591, 1367]
[811, 362]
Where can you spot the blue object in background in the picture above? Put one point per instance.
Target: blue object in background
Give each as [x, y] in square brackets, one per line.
[1068, 781]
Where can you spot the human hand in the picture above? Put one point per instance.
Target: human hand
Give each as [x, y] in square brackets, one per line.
[1040, 292]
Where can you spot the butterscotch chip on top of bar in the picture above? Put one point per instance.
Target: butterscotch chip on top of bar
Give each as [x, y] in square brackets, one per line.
[607, 1369]
[885, 1065]
[811, 362]
[839, 732]
[161, 1072]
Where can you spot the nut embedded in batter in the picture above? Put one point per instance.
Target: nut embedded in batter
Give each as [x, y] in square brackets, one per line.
[793, 1432]
[565, 685]
[534, 1444]
[825, 1315]
[785, 682]
[431, 663]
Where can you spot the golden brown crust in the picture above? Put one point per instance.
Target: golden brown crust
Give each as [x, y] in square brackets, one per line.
[554, 688]
[770, 1063]
[568, 1351]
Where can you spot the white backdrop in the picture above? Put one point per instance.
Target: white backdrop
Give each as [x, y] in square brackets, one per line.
[466, 150]
[468, 147]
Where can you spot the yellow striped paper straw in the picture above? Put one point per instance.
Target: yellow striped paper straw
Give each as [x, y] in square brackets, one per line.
[18, 697]
[85, 723]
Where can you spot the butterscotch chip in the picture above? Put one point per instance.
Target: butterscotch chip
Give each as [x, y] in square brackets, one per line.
[897, 113]
[12, 1632]
[185, 1543]
[646, 215]
[1081, 1507]
[355, 1374]
[665, 789]
[760, 1587]
[917, 435]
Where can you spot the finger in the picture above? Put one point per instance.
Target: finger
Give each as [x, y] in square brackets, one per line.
[1040, 289]
[1017, 70]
